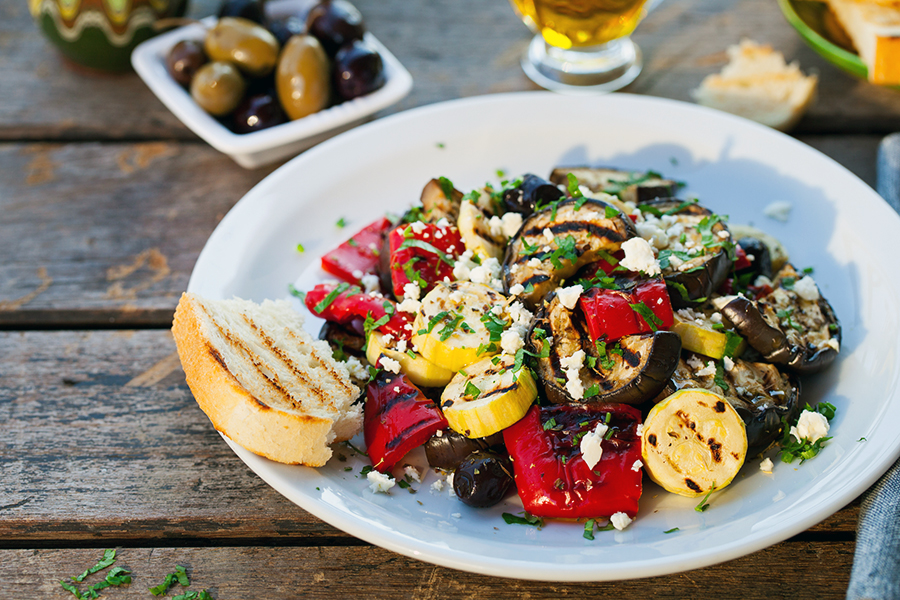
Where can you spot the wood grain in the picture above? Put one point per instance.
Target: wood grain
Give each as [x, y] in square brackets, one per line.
[788, 570]
[452, 49]
[106, 235]
[105, 442]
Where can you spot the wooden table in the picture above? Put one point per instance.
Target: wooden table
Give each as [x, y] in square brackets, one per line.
[105, 202]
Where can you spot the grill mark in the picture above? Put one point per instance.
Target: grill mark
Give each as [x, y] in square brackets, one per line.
[501, 391]
[235, 343]
[535, 280]
[392, 402]
[632, 358]
[335, 375]
[401, 437]
[652, 439]
[690, 483]
[720, 407]
[716, 449]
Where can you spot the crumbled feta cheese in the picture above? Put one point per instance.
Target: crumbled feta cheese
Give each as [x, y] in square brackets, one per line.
[516, 289]
[573, 384]
[409, 306]
[637, 465]
[370, 282]
[511, 341]
[413, 473]
[487, 273]
[519, 314]
[495, 225]
[438, 485]
[548, 235]
[766, 465]
[450, 484]
[590, 445]
[412, 290]
[463, 265]
[388, 338]
[379, 482]
[724, 234]
[762, 281]
[727, 363]
[780, 211]
[357, 274]
[401, 345]
[574, 361]
[639, 257]
[498, 310]
[456, 515]
[397, 389]
[675, 262]
[443, 222]
[417, 227]
[512, 223]
[811, 426]
[620, 520]
[694, 362]
[389, 364]
[639, 431]
[356, 369]
[657, 238]
[534, 262]
[546, 249]
[708, 371]
[806, 288]
[716, 317]
[568, 296]
[456, 296]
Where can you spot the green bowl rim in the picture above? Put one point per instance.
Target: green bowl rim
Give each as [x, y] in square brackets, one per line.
[833, 53]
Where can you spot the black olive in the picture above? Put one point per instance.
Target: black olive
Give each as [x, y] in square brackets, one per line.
[257, 112]
[483, 478]
[335, 23]
[358, 70]
[246, 9]
[447, 450]
[533, 190]
[283, 28]
[184, 59]
[760, 258]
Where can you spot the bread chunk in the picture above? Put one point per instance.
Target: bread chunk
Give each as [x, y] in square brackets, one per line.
[874, 28]
[759, 85]
[263, 381]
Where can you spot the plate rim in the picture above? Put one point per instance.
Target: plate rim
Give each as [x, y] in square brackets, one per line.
[395, 541]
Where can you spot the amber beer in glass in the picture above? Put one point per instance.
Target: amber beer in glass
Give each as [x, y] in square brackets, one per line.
[582, 45]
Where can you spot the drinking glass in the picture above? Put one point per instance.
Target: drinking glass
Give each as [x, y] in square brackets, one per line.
[581, 46]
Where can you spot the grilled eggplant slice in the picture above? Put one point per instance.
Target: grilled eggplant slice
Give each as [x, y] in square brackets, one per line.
[634, 370]
[533, 191]
[804, 335]
[693, 245]
[777, 253]
[580, 231]
[760, 393]
[437, 204]
[760, 259]
[343, 339]
[630, 186]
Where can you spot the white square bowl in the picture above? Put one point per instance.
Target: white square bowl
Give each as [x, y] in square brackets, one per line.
[251, 150]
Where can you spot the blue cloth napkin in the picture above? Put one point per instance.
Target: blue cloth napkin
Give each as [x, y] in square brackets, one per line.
[876, 565]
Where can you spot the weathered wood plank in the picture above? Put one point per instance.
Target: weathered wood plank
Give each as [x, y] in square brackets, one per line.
[452, 49]
[107, 227]
[107, 234]
[796, 570]
[104, 441]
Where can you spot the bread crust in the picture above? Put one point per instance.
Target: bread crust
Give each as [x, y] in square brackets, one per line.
[269, 432]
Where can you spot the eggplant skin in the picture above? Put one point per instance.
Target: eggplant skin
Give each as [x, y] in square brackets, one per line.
[762, 395]
[533, 191]
[774, 344]
[639, 374]
[629, 186]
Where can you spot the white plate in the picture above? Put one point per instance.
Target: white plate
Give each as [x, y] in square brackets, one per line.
[838, 225]
[251, 150]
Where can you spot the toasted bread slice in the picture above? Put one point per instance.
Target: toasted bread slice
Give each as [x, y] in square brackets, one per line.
[759, 85]
[874, 28]
[263, 381]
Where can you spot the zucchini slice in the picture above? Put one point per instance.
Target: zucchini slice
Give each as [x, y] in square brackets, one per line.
[693, 443]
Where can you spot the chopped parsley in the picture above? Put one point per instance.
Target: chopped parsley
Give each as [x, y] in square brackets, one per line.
[703, 504]
[525, 520]
[432, 323]
[792, 449]
[331, 297]
[673, 530]
[342, 222]
[549, 424]
[652, 321]
[115, 577]
[592, 391]
[180, 575]
[446, 187]
[450, 327]
[566, 249]
[610, 212]
[472, 390]
[293, 291]
[574, 192]
[589, 529]
[371, 324]
[414, 243]
[494, 324]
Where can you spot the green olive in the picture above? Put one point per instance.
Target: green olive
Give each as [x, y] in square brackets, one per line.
[303, 77]
[218, 88]
[249, 46]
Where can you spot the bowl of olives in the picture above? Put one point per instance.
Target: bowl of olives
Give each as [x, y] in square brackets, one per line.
[264, 88]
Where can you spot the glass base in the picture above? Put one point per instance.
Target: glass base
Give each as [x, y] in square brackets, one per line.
[593, 70]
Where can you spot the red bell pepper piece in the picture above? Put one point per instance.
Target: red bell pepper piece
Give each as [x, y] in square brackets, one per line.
[397, 418]
[425, 257]
[603, 264]
[359, 255]
[612, 314]
[551, 476]
[740, 259]
[344, 304]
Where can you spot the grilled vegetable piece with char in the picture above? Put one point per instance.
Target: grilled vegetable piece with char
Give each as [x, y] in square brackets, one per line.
[693, 443]
[693, 246]
[580, 231]
[794, 325]
[630, 186]
[440, 200]
[703, 331]
[532, 192]
[759, 392]
[632, 370]
[778, 255]
[447, 449]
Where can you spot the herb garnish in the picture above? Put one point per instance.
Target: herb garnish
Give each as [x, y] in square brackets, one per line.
[526, 520]
[674, 529]
[792, 449]
[472, 390]
[652, 321]
[703, 505]
[332, 296]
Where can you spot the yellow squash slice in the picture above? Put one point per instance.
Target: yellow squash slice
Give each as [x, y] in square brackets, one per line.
[451, 328]
[476, 234]
[693, 442]
[703, 340]
[486, 398]
[421, 372]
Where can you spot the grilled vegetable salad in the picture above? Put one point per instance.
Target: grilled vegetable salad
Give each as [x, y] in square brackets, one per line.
[559, 337]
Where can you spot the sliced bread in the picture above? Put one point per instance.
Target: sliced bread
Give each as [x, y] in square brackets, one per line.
[874, 28]
[757, 84]
[263, 381]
